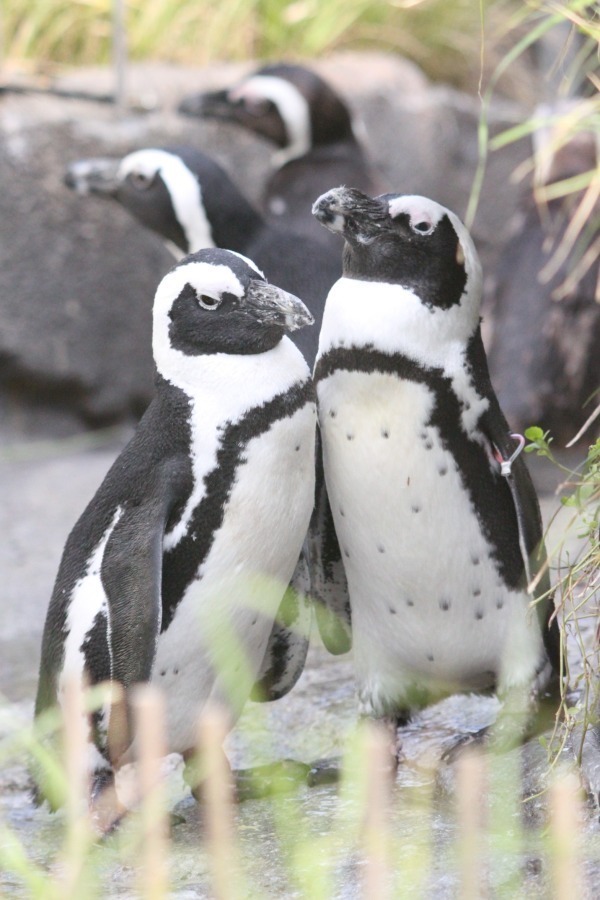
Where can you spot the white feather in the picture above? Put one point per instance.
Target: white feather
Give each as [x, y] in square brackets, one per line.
[88, 598]
[222, 386]
[184, 190]
[411, 543]
[215, 644]
[430, 610]
[394, 320]
[291, 105]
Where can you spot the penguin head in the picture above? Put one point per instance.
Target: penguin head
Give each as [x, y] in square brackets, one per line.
[157, 187]
[180, 193]
[289, 105]
[216, 301]
[407, 240]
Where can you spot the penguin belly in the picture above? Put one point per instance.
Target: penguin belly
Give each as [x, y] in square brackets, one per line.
[430, 613]
[215, 643]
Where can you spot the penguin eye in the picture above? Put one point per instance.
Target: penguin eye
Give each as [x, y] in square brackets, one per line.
[140, 180]
[207, 302]
[422, 227]
[257, 106]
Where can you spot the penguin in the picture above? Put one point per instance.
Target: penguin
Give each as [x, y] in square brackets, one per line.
[176, 569]
[311, 126]
[436, 517]
[191, 202]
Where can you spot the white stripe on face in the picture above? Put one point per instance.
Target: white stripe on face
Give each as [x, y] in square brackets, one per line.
[291, 105]
[422, 209]
[184, 190]
[214, 280]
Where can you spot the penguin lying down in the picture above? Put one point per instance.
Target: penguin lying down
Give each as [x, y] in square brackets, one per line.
[175, 571]
[438, 526]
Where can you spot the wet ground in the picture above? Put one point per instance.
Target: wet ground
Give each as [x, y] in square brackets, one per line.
[43, 492]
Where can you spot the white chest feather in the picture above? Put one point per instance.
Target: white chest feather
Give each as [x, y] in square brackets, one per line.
[428, 605]
[215, 644]
[231, 387]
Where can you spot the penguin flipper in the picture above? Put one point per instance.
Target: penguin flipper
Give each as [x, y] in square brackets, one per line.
[287, 647]
[533, 550]
[495, 428]
[131, 574]
[328, 582]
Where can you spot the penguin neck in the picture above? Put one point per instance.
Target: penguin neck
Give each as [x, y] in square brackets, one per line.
[187, 225]
[234, 221]
[392, 319]
[225, 385]
[234, 232]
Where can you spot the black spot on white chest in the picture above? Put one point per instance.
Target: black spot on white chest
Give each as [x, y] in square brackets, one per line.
[245, 475]
[424, 584]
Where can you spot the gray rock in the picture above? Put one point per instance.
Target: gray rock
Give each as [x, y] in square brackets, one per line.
[546, 341]
[44, 488]
[77, 275]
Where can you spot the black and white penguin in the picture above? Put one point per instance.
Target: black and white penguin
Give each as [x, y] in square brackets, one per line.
[188, 199]
[295, 109]
[438, 524]
[175, 571]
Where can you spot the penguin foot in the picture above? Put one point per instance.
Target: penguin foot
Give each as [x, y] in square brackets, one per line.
[503, 735]
[391, 725]
[107, 811]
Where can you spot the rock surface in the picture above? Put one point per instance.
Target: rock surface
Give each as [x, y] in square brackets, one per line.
[77, 275]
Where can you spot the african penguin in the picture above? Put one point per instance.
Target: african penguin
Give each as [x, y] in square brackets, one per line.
[188, 199]
[295, 109]
[175, 571]
[438, 524]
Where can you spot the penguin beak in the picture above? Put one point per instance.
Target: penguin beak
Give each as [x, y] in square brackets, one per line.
[272, 306]
[349, 212]
[212, 105]
[93, 176]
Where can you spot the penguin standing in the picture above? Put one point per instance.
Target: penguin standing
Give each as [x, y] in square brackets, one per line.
[295, 109]
[175, 571]
[190, 201]
[437, 520]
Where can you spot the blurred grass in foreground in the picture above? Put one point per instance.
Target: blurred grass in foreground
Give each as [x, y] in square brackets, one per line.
[471, 839]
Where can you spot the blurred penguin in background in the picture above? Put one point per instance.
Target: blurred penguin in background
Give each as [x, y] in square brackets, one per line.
[311, 127]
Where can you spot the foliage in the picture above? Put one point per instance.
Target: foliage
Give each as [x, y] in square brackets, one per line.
[442, 37]
[380, 839]
[573, 115]
[577, 583]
